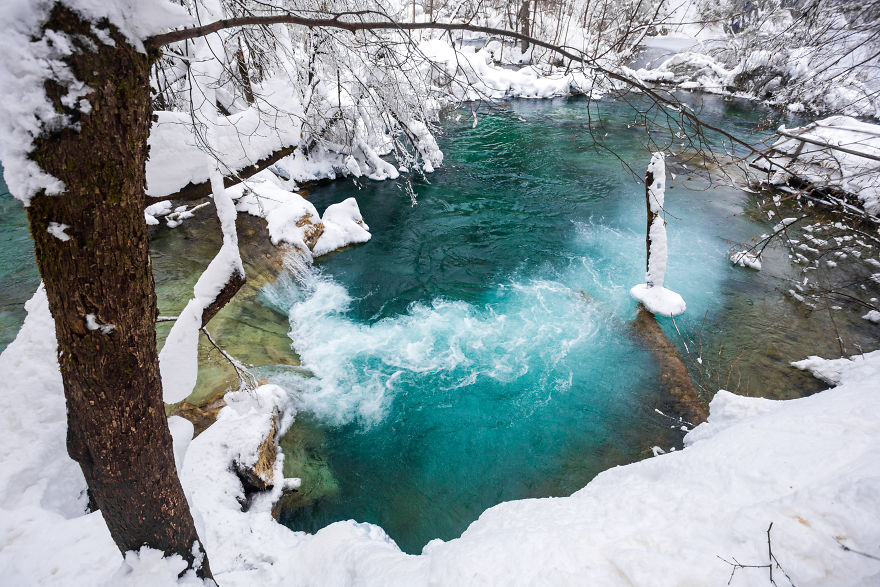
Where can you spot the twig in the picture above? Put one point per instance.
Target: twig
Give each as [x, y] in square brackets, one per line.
[248, 381]
[773, 563]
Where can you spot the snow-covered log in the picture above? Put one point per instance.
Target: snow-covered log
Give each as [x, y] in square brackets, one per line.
[656, 298]
[178, 360]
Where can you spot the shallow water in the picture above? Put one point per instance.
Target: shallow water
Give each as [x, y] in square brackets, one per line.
[18, 270]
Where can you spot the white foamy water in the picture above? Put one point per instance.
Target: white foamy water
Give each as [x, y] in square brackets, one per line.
[524, 338]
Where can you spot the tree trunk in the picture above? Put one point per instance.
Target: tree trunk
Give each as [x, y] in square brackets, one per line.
[101, 293]
[649, 181]
[523, 18]
[243, 74]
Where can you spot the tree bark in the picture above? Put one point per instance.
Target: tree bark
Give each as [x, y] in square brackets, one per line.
[101, 294]
[649, 181]
[523, 18]
[243, 74]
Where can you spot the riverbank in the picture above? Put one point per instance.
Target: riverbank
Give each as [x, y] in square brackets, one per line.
[383, 302]
[807, 466]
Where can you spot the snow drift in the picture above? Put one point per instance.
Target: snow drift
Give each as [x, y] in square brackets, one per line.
[808, 466]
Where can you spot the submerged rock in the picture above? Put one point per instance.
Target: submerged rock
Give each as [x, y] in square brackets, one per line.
[260, 475]
[304, 459]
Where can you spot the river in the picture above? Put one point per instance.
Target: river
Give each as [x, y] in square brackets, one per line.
[478, 348]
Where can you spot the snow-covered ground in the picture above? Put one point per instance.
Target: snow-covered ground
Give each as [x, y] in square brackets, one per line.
[808, 466]
[838, 152]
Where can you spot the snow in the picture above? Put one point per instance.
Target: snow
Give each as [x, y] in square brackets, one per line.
[180, 153]
[859, 176]
[343, 225]
[482, 80]
[659, 300]
[289, 216]
[656, 298]
[828, 370]
[746, 259]
[808, 466]
[57, 229]
[832, 72]
[42, 491]
[294, 220]
[154, 211]
[873, 316]
[93, 324]
[148, 567]
[178, 359]
[29, 59]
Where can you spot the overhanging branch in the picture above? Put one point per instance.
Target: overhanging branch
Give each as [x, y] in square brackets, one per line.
[157, 41]
[197, 191]
[236, 280]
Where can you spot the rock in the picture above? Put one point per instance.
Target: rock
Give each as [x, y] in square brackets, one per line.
[761, 81]
[201, 415]
[260, 476]
[313, 230]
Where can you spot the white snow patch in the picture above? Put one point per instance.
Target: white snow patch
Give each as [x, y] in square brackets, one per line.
[93, 324]
[153, 212]
[659, 300]
[57, 229]
[873, 316]
[746, 259]
[149, 567]
[343, 226]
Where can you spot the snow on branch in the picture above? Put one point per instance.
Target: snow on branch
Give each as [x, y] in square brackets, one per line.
[178, 360]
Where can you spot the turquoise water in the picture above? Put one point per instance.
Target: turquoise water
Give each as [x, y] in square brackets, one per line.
[18, 270]
[477, 350]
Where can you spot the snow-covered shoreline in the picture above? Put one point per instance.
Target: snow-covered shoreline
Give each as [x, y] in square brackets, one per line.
[807, 465]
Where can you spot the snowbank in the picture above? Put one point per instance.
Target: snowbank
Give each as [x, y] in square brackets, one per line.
[818, 162]
[826, 63]
[808, 466]
[179, 154]
[343, 225]
[294, 220]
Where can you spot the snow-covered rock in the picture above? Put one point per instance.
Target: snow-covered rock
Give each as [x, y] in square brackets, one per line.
[818, 162]
[343, 226]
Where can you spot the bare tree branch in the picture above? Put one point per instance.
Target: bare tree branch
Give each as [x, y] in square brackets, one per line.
[686, 116]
